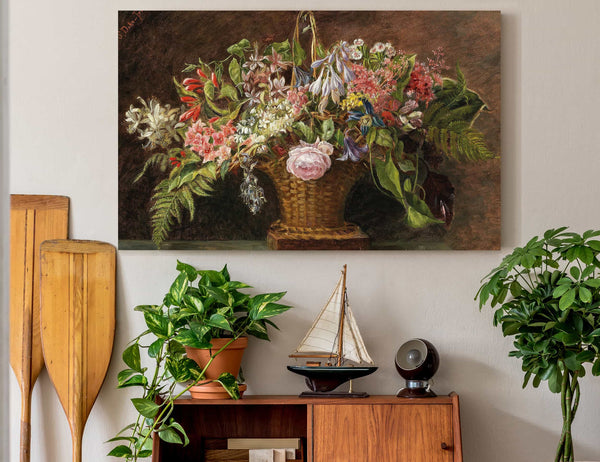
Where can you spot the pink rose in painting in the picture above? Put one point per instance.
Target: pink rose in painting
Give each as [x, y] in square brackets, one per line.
[310, 161]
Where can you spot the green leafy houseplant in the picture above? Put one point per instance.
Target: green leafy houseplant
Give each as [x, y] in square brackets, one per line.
[200, 306]
[547, 295]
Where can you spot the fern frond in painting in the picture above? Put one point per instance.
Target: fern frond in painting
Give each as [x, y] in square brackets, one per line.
[169, 202]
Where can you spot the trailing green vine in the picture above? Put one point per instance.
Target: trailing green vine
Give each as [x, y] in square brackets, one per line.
[199, 306]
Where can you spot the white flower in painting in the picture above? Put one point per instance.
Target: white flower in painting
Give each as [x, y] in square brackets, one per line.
[378, 48]
[355, 54]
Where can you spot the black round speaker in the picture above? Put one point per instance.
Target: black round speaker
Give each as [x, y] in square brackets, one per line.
[417, 361]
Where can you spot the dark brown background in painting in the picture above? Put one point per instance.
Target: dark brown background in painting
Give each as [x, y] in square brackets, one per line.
[156, 48]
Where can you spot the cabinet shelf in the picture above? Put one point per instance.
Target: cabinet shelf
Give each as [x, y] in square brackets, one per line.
[330, 429]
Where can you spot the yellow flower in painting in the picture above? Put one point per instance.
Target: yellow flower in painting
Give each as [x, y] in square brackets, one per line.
[353, 100]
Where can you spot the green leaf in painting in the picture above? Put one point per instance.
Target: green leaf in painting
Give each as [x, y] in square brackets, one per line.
[327, 130]
[402, 82]
[228, 91]
[304, 132]
[235, 71]
[209, 90]
[418, 214]
[239, 48]
[388, 176]
[384, 138]
[299, 53]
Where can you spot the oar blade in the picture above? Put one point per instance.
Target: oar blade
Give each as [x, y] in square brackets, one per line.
[33, 219]
[78, 322]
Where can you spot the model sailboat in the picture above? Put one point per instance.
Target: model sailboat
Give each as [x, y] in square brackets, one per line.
[334, 348]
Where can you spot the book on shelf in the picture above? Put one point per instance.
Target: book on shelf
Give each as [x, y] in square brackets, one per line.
[261, 455]
[263, 443]
[271, 455]
[279, 455]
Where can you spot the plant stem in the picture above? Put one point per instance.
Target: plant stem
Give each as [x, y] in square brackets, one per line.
[563, 402]
[569, 394]
[567, 427]
[169, 402]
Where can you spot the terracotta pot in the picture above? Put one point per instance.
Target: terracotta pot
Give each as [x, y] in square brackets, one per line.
[213, 390]
[228, 360]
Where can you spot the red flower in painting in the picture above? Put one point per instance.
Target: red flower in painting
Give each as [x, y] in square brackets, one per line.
[421, 84]
[280, 151]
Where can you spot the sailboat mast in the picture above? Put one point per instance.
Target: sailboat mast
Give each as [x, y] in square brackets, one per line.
[342, 314]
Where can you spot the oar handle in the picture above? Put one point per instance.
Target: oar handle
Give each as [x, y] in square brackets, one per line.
[25, 425]
[77, 448]
[26, 385]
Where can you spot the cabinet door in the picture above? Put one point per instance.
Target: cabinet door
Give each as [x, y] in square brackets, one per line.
[382, 432]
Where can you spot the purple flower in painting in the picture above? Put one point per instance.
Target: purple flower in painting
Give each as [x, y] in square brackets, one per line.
[302, 77]
[353, 151]
[335, 71]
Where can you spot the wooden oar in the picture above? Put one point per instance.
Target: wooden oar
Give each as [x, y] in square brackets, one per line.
[78, 324]
[33, 219]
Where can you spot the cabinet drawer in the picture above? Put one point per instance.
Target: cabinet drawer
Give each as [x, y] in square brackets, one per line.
[382, 432]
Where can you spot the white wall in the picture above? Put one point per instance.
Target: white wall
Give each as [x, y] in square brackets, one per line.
[63, 140]
[4, 199]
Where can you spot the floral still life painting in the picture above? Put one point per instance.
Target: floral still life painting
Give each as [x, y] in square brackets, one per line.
[333, 130]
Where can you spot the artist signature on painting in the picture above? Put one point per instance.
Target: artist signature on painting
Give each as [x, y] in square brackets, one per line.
[136, 18]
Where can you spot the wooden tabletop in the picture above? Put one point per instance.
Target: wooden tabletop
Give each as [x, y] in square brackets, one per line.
[294, 399]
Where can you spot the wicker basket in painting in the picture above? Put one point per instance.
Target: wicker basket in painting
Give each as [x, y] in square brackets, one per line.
[312, 212]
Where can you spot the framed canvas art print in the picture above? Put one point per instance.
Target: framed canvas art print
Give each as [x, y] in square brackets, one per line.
[333, 130]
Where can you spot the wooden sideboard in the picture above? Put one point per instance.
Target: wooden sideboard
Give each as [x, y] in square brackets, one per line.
[373, 429]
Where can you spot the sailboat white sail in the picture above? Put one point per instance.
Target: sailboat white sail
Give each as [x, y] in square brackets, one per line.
[322, 340]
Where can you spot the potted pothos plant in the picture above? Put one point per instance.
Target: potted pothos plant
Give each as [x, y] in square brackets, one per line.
[547, 295]
[203, 309]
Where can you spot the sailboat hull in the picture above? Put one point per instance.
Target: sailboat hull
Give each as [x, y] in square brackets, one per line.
[323, 379]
